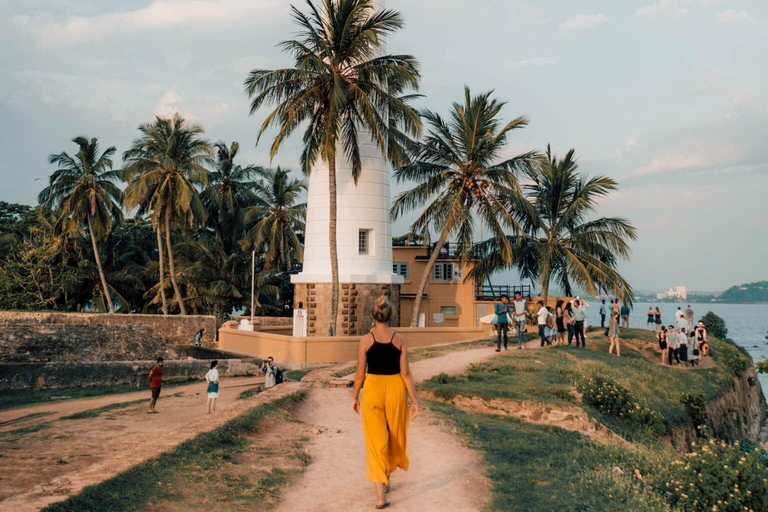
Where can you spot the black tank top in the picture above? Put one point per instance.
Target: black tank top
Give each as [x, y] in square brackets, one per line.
[383, 358]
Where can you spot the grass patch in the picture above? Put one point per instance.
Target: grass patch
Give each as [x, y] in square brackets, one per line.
[250, 392]
[25, 430]
[550, 375]
[295, 375]
[207, 461]
[25, 417]
[21, 397]
[534, 467]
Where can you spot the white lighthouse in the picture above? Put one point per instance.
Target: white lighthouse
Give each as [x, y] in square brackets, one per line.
[364, 243]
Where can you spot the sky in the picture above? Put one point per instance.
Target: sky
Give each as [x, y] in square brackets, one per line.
[670, 98]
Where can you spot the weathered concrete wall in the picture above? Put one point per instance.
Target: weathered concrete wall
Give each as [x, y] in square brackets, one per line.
[356, 300]
[68, 375]
[46, 336]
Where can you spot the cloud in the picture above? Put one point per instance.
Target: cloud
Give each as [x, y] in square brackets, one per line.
[727, 158]
[159, 15]
[734, 16]
[535, 61]
[669, 9]
[582, 21]
[713, 83]
[527, 13]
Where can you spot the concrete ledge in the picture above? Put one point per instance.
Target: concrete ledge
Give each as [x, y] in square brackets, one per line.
[318, 350]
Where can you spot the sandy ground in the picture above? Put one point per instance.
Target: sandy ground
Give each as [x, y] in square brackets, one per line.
[444, 474]
[39, 468]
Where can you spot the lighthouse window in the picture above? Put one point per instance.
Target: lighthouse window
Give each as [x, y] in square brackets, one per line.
[363, 241]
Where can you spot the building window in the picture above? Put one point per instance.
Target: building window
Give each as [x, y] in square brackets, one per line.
[447, 272]
[448, 310]
[363, 241]
[401, 269]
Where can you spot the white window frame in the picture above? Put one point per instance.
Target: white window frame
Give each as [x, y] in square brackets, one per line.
[364, 244]
[397, 266]
[450, 269]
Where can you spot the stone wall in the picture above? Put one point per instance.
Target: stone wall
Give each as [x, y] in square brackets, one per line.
[44, 337]
[356, 300]
[81, 374]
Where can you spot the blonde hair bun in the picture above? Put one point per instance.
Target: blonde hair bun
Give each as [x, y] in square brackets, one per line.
[382, 310]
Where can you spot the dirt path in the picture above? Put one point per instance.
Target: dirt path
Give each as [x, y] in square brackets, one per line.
[44, 413]
[444, 475]
[50, 461]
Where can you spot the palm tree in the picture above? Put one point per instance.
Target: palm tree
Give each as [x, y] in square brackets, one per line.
[561, 240]
[229, 192]
[459, 175]
[83, 189]
[341, 88]
[165, 165]
[276, 220]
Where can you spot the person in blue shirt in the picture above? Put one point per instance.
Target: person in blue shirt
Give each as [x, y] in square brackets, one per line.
[502, 309]
[199, 337]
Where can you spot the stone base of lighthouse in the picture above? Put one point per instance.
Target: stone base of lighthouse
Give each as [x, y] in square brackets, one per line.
[355, 302]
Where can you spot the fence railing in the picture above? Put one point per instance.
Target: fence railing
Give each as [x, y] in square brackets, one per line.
[495, 291]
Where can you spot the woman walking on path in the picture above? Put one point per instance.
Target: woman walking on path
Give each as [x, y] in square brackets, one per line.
[560, 322]
[663, 345]
[384, 406]
[569, 321]
[613, 332]
[672, 345]
[212, 377]
[657, 319]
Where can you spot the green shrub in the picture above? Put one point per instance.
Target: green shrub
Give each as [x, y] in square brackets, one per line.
[612, 399]
[715, 325]
[762, 366]
[719, 477]
[696, 406]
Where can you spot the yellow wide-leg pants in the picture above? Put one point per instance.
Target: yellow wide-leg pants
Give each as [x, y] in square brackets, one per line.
[385, 424]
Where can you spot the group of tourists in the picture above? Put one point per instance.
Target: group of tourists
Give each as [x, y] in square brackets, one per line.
[685, 342]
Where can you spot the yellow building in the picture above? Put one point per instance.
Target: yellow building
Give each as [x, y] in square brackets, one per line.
[449, 300]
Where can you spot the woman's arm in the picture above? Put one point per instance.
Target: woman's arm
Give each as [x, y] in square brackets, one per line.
[405, 373]
[359, 374]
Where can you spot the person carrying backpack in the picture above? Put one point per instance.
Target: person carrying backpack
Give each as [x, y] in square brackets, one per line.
[269, 368]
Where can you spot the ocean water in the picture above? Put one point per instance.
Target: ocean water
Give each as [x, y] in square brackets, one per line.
[747, 323]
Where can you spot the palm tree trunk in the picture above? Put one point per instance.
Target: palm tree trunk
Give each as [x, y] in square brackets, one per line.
[425, 277]
[545, 282]
[101, 270]
[334, 249]
[171, 266]
[161, 262]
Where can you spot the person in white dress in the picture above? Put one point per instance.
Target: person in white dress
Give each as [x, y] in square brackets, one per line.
[212, 377]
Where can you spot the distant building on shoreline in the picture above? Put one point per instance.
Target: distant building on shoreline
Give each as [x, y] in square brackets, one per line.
[678, 292]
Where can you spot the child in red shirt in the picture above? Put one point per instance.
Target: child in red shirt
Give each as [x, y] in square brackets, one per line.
[155, 383]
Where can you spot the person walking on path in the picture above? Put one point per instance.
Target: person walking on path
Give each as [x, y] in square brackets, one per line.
[541, 320]
[682, 345]
[503, 312]
[560, 322]
[613, 333]
[701, 337]
[212, 378]
[155, 383]
[688, 314]
[625, 315]
[199, 338]
[602, 314]
[663, 345]
[695, 353]
[521, 306]
[384, 407]
[270, 370]
[579, 315]
[672, 345]
[569, 321]
[657, 319]
[615, 305]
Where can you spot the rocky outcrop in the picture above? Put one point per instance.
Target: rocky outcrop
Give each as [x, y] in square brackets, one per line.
[737, 415]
